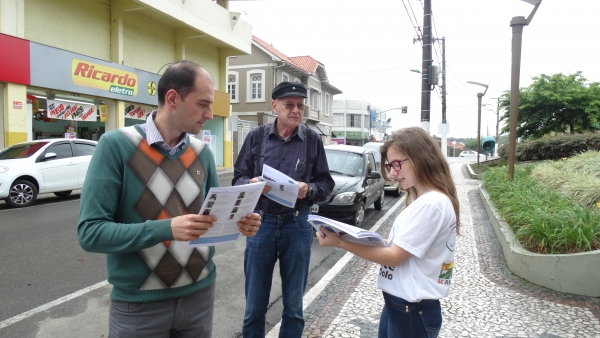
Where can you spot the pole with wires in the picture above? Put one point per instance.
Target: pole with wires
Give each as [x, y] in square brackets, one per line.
[427, 60]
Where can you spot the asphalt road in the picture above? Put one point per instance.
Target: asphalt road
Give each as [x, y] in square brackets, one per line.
[42, 263]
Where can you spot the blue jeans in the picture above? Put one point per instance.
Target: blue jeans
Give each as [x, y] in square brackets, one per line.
[402, 319]
[289, 239]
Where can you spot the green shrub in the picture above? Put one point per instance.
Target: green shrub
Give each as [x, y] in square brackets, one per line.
[553, 147]
[543, 220]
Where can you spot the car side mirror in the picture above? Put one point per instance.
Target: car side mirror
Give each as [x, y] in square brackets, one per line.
[374, 175]
[49, 156]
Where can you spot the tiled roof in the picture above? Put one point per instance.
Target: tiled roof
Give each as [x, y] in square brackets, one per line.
[272, 49]
[306, 63]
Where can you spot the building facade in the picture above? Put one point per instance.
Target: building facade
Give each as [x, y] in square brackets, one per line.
[354, 124]
[89, 66]
[251, 79]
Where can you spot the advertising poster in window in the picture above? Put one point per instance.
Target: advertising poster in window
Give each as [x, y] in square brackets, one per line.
[73, 111]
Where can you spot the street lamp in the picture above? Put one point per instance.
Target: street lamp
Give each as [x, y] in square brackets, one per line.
[497, 123]
[454, 152]
[479, 96]
[517, 23]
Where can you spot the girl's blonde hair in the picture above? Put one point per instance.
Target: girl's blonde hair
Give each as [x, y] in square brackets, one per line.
[431, 168]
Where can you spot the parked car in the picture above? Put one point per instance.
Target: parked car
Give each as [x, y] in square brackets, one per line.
[393, 188]
[471, 153]
[358, 184]
[31, 168]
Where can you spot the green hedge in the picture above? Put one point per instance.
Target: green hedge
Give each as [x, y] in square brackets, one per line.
[553, 147]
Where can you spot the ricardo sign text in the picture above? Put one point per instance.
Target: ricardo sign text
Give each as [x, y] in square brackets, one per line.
[102, 77]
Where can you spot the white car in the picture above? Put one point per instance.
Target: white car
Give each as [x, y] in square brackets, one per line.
[471, 153]
[31, 168]
[395, 190]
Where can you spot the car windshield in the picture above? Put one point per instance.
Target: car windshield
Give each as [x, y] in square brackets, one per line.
[345, 163]
[375, 147]
[22, 150]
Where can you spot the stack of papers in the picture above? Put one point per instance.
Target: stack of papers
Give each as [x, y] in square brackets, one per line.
[347, 232]
[228, 205]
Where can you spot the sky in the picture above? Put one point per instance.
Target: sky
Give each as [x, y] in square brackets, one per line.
[368, 51]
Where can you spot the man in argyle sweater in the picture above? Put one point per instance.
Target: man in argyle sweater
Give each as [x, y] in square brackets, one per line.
[139, 205]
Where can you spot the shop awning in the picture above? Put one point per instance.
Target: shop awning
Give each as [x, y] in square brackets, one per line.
[318, 128]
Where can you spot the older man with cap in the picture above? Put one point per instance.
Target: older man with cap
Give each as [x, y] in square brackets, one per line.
[289, 146]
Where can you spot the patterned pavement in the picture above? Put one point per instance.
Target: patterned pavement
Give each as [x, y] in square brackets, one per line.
[486, 299]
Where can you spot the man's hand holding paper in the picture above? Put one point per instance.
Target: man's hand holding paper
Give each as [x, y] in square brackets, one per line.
[284, 190]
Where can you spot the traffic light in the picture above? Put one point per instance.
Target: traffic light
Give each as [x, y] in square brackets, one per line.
[404, 109]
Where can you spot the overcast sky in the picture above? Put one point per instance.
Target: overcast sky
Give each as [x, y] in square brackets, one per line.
[367, 49]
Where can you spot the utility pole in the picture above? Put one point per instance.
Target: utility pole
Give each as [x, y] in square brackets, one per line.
[497, 123]
[427, 60]
[444, 126]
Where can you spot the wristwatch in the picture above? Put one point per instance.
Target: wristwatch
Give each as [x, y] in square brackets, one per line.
[309, 192]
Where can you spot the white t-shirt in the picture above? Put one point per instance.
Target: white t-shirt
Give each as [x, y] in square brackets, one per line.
[426, 229]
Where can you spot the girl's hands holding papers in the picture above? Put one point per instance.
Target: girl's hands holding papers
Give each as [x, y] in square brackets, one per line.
[329, 238]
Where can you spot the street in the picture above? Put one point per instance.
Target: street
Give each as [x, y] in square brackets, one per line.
[52, 288]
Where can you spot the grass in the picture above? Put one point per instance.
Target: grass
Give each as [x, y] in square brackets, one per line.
[578, 177]
[545, 219]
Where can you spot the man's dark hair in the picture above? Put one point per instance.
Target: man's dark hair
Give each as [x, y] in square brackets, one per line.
[180, 77]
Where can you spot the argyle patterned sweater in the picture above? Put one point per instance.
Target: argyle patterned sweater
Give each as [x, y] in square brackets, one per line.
[131, 192]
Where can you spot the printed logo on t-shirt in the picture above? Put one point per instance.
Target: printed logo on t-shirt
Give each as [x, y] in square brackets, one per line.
[446, 273]
[383, 272]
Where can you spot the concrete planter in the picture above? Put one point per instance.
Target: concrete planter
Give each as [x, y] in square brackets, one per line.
[572, 273]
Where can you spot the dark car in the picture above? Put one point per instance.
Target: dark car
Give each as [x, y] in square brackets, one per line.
[393, 187]
[358, 184]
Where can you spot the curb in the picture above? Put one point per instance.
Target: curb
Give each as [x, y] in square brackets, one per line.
[575, 273]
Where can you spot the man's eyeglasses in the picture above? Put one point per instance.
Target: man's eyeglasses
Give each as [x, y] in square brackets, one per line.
[396, 165]
[290, 106]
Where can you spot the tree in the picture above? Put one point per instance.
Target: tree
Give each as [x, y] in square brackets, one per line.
[555, 104]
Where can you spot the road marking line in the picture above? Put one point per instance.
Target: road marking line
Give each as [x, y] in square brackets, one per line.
[53, 303]
[314, 292]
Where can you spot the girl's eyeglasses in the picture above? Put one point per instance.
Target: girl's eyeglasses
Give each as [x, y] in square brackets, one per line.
[396, 165]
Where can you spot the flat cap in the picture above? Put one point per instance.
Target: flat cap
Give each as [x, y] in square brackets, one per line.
[289, 89]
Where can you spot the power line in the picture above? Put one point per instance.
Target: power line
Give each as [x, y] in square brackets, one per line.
[372, 71]
[459, 80]
[411, 22]
[413, 13]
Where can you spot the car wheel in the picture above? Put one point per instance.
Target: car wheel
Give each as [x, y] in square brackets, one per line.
[63, 193]
[22, 194]
[396, 193]
[379, 203]
[359, 217]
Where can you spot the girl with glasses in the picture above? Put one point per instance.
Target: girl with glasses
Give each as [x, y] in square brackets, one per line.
[416, 266]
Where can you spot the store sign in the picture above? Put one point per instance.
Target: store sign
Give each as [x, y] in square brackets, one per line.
[58, 69]
[94, 75]
[17, 104]
[354, 134]
[63, 110]
[136, 111]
